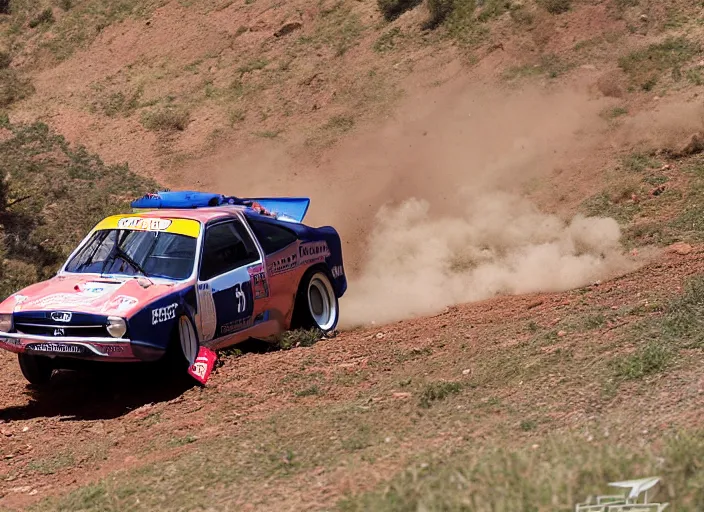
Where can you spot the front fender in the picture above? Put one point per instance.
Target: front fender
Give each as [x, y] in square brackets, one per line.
[152, 328]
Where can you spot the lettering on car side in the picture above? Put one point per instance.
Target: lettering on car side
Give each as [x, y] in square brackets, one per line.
[160, 315]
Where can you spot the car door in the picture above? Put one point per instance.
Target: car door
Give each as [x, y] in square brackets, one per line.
[226, 302]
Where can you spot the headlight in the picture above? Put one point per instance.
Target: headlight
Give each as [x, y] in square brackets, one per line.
[116, 326]
[6, 322]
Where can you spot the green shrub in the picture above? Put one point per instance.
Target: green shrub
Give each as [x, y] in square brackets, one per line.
[5, 60]
[392, 9]
[44, 17]
[52, 196]
[556, 6]
[299, 338]
[440, 10]
[436, 391]
[13, 87]
[166, 119]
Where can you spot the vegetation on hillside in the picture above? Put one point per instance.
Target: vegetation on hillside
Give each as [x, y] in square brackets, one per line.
[51, 195]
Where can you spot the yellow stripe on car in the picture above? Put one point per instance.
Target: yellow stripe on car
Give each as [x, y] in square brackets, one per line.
[187, 227]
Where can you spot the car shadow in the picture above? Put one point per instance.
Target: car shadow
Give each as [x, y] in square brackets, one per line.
[108, 391]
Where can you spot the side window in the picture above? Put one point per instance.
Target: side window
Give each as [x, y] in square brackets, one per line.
[227, 246]
[272, 237]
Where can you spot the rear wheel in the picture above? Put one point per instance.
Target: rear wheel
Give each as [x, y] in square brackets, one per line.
[36, 369]
[316, 303]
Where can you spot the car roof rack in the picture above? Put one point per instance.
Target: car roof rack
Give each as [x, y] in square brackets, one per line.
[292, 209]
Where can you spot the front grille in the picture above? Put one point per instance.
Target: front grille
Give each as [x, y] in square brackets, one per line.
[58, 330]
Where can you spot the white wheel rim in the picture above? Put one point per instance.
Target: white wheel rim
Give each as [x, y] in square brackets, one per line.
[189, 342]
[321, 302]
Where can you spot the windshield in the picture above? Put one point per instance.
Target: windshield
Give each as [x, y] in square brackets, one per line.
[148, 253]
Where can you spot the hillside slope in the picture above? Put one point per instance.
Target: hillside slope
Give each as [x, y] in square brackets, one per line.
[540, 159]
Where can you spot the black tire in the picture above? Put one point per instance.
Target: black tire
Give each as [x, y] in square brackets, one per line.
[177, 358]
[316, 304]
[36, 369]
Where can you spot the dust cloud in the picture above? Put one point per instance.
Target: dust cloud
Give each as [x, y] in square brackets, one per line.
[499, 244]
[432, 205]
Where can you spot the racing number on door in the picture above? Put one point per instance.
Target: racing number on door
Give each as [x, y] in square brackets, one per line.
[241, 299]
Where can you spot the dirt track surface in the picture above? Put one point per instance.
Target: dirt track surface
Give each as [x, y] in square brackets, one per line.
[89, 427]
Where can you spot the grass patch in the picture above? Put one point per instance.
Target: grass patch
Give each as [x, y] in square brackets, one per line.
[613, 113]
[653, 357]
[492, 9]
[681, 326]
[253, 65]
[118, 103]
[166, 119]
[638, 162]
[564, 471]
[299, 338]
[457, 16]
[392, 9]
[436, 391]
[83, 21]
[555, 6]
[528, 425]
[645, 66]
[182, 441]
[684, 320]
[52, 465]
[313, 390]
[695, 75]
[387, 41]
[268, 134]
[45, 17]
[5, 60]
[13, 87]
[550, 65]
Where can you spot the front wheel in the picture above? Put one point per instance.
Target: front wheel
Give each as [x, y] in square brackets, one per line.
[316, 303]
[36, 369]
[183, 348]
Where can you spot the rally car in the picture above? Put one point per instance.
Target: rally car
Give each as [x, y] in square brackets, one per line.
[183, 270]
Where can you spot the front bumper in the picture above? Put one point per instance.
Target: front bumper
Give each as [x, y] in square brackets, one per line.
[100, 349]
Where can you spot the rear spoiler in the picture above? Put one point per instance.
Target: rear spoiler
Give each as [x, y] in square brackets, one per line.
[284, 208]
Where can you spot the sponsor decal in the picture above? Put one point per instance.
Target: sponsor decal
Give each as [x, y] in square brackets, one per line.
[235, 326]
[203, 365]
[313, 252]
[160, 315]
[63, 299]
[203, 286]
[337, 271]
[11, 341]
[110, 349]
[55, 347]
[283, 265]
[61, 316]
[260, 285]
[59, 331]
[19, 299]
[121, 303]
[86, 294]
[142, 224]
